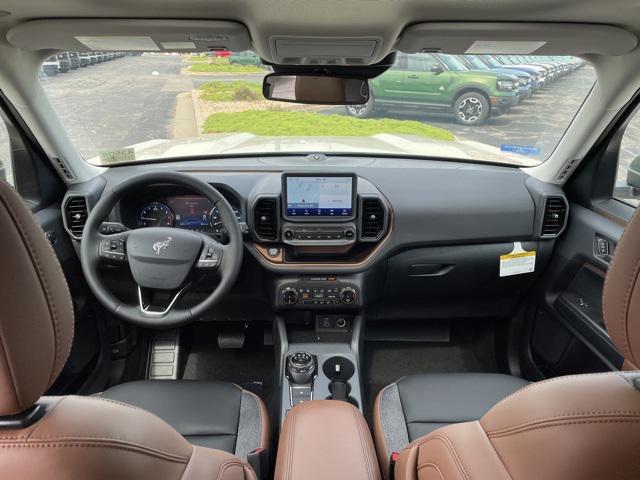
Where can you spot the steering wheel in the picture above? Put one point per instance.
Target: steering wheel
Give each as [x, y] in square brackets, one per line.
[161, 259]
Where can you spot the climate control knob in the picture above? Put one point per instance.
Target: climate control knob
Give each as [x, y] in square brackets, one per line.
[347, 295]
[288, 234]
[290, 296]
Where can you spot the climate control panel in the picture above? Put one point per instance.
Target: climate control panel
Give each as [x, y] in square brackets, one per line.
[318, 292]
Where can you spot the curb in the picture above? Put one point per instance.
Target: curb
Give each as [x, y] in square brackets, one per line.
[197, 111]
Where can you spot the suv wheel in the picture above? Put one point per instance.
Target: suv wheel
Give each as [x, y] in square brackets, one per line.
[471, 108]
[361, 111]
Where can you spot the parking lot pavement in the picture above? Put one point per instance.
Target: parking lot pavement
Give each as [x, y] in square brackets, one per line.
[539, 121]
[132, 98]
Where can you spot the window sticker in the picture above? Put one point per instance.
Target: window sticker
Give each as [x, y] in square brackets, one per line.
[518, 262]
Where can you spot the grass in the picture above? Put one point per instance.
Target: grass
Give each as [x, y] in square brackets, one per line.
[219, 67]
[287, 123]
[231, 91]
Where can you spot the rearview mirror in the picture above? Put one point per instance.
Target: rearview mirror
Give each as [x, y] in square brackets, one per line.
[437, 69]
[319, 89]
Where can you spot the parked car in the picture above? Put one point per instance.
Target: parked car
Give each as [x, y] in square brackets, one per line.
[440, 83]
[51, 66]
[85, 59]
[245, 58]
[525, 82]
[65, 62]
[74, 59]
[539, 73]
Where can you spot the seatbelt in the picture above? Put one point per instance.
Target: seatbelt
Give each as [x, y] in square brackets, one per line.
[259, 461]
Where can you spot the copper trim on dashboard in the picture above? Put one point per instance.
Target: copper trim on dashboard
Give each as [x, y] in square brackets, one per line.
[279, 261]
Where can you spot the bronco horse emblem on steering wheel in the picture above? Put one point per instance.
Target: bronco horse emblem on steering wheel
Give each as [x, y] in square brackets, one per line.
[159, 247]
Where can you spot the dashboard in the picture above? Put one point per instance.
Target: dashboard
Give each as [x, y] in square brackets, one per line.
[328, 236]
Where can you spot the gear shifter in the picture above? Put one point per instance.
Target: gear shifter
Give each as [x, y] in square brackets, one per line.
[301, 367]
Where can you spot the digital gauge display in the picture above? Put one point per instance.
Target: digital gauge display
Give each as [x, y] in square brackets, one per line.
[191, 212]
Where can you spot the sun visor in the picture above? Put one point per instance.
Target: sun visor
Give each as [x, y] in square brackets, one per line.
[516, 38]
[130, 35]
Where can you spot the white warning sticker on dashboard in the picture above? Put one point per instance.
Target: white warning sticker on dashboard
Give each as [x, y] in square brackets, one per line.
[517, 262]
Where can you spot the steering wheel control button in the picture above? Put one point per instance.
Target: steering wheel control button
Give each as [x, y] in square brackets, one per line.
[210, 258]
[113, 250]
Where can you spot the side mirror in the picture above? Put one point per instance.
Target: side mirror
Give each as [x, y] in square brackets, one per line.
[633, 173]
[437, 69]
[318, 89]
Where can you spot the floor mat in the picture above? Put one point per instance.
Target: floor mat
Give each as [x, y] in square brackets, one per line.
[471, 349]
[251, 367]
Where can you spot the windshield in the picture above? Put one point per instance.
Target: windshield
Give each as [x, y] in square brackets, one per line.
[119, 108]
[475, 61]
[453, 62]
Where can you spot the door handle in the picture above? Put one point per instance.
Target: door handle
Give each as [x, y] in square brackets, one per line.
[412, 76]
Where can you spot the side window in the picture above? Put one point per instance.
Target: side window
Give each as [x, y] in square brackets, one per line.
[417, 63]
[430, 62]
[627, 188]
[6, 166]
[401, 62]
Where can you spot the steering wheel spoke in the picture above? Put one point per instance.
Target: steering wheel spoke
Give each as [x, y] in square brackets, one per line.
[113, 248]
[147, 307]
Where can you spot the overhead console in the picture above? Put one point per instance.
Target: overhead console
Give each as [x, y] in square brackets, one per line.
[319, 219]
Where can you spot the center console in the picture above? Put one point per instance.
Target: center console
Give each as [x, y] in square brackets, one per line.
[323, 431]
[326, 440]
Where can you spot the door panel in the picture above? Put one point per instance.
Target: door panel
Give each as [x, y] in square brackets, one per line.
[568, 334]
[423, 86]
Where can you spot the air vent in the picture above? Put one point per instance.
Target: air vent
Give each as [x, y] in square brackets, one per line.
[555, 214]
[64, 169]
[75, 214]
[373, 218]
[265, 218]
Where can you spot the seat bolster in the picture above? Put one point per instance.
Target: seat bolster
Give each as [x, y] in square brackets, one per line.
[574, 427]
[389, 425]
[254, 430]
[456, 452]
[101, 439]
[206, 463]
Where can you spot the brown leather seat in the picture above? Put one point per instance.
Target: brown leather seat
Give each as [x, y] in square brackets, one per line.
[71, 437]
[576, 427]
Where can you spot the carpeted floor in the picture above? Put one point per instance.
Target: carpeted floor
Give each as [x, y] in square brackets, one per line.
[470, 349]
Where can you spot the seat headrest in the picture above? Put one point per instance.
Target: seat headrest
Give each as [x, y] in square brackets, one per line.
[621, 295]
[36, 313]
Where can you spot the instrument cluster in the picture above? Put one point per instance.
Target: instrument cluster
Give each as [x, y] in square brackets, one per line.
[190, 212]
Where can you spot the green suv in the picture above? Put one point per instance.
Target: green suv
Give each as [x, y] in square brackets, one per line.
[440, 83]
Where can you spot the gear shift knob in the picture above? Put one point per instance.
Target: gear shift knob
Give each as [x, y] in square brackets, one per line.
[301, 367]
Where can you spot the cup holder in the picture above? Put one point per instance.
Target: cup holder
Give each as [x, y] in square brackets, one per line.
[332, 385]
[338, 368]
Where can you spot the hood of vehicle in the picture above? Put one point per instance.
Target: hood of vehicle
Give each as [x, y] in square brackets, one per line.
[380, 144]
[508, 71]
[488, 74]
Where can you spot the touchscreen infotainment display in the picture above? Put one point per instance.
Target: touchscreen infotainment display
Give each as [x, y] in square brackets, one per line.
[308, 196]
